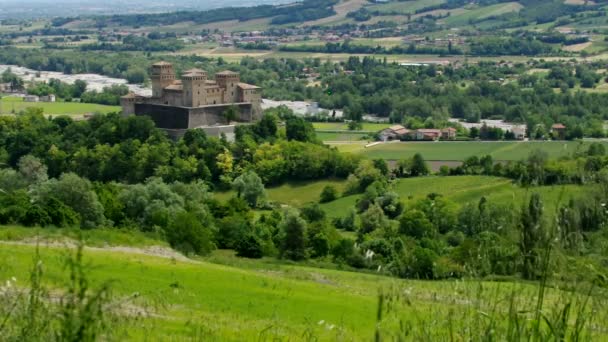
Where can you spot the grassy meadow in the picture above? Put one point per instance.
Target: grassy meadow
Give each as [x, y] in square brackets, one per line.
[458, 189]
[465, 189]
[458, 151]
[167, 299]
[295, 193]
[13, 105]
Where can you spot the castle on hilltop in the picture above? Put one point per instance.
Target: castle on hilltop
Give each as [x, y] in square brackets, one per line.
[195, 101]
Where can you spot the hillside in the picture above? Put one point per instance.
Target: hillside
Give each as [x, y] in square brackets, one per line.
[193, 299]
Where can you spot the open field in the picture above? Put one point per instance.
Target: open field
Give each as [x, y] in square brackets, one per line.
[342, 9]
[13, 105]
[457, 151]
[346, 136]
[342, 126]
[482, 12]
[404, 7]
[465, 189]
[266, 300]
[294, 194]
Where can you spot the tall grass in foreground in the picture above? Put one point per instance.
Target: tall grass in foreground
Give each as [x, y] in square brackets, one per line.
[484, 311]
[487, 312]
[77, 313]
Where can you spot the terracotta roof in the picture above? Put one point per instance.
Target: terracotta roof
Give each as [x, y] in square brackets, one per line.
[452, 129]
[429, 131]
[558, 126]
[227, 73]
[195, 71]
[247, 86]
[396, 127]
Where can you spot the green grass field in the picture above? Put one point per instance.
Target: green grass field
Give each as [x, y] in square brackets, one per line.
[294, 194]
[466, 189]
[404, 7]
[457, 151]
[263, 300]
[343, 136]
[342, 126]
[13, 105]
[482, 12]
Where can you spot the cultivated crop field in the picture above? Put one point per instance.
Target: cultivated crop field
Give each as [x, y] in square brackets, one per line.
[13, 105]
[458, 151]
[166, 298]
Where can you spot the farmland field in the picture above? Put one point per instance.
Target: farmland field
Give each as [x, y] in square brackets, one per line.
[13, 105]
[453, 151]
[195, 299]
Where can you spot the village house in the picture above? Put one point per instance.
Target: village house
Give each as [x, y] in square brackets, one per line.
[558, 131]
[396, 132]
[31, 98]
[428, 134]
[48, 98]
[448, 133]
[519, 132]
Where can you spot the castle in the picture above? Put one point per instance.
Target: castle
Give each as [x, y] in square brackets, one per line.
[195, 101]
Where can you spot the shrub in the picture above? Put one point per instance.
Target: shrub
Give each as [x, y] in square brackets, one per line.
[250, 247]
[187, 234]
[329, 194]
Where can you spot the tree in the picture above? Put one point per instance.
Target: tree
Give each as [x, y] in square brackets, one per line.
[32, 169]
[230, 114]
[187, 234]
[415, 224]
[293, 228]
[329, 194]
[249, 186]
[418, 167]
[299, 129]
[373, 219]
[75, 192]
[532, 235]
[250, 246]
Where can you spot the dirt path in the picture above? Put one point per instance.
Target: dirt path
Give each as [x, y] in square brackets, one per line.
[156, 251]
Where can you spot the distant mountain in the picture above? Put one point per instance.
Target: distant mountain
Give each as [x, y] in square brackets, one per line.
[26, 9]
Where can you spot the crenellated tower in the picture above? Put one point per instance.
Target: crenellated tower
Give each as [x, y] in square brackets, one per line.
[228, 80]
[162, 75]
[193, 82]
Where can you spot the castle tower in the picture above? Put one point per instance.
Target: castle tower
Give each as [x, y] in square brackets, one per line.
[127, 103]
[162, 76]
[193, 82]
[228, 81]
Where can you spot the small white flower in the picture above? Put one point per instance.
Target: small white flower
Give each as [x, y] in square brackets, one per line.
[330, 327]
[321, 322]
[14, 279]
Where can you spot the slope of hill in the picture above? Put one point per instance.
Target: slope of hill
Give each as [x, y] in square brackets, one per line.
[174, 299]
